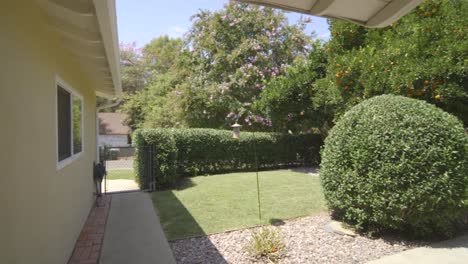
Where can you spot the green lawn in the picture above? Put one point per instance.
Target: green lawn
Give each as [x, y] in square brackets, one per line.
[211, 204]
[120, 174]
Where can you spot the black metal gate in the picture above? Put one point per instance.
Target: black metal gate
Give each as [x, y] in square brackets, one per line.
[148, 173]
[146, 176]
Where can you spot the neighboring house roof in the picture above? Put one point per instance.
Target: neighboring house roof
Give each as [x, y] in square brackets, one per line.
[112, 124]
[369, 13]
[88, 30]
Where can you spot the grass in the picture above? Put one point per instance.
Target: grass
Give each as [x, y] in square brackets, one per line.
[120, 174]
[218, 203]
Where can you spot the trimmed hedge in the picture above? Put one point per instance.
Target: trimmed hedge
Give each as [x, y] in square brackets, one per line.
[163, 160]
[399, 164]
[197, 151]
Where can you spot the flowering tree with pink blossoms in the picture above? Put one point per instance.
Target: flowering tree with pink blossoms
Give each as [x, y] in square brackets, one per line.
[230, 55]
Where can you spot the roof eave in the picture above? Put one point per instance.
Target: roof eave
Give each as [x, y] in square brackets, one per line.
[393, 11]
[107, 20]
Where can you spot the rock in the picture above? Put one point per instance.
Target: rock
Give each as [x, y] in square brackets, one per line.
[306, 242]
[338, 228]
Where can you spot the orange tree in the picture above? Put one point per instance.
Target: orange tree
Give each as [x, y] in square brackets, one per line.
[422, 56]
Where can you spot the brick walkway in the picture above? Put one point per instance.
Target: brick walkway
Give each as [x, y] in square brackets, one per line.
[89, 244]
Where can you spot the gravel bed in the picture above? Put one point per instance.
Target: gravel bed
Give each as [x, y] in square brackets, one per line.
[306, 241]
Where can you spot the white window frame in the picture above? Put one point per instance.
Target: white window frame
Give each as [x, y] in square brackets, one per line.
[59, 82]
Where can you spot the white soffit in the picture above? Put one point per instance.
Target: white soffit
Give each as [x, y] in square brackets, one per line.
[88, 30]
[369, 13]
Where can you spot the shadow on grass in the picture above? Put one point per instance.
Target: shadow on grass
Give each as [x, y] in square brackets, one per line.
[184, 183]
[188, 240]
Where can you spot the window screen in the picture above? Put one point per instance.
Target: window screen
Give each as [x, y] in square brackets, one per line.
[63, 123]
[77, 130]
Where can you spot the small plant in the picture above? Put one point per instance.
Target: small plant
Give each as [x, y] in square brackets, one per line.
[266, 243]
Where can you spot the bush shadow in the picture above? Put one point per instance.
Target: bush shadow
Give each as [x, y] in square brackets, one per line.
[276, 222]
[188, 240]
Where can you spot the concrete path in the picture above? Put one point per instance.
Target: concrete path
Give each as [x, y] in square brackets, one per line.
[119, 185]
[122, 164]
[133, 232]
[453, 251]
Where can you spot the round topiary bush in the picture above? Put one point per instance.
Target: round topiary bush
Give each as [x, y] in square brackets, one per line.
[399, 164]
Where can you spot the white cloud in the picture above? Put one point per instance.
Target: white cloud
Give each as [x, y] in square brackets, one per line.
[176, 31]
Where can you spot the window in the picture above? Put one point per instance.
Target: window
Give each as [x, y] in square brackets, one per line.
[69, 124]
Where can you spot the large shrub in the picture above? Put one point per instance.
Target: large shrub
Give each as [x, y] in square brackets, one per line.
[397, 164]
[189, 152]
[156, 153]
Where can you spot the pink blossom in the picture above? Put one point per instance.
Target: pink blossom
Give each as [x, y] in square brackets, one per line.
[223, 87]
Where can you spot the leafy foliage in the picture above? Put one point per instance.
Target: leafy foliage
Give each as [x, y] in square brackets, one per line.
[245, 63]
[147, 77]
[213, 80]
[396, 163]
[156, 152]
[210, 151]
[421, 56]
[140, 66]
[154, 106]
[234, 52]
[287, 99]
[266, 243]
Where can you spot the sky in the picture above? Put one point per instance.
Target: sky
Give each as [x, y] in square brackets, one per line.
[143, 20]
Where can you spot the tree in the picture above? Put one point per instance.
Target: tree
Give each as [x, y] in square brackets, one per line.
[160, 55]
[421, 56]
[287, 99]
[139, 66]
[230, 55]
[132, 68]
[145, 71]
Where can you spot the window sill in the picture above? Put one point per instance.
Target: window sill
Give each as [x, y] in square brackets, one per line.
[64, 163]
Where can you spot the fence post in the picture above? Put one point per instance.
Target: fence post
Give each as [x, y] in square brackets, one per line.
[152, 182]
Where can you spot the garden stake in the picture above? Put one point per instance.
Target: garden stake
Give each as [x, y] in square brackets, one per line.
[258, 182]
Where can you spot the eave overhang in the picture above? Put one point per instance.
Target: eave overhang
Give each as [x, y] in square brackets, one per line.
[88, 31]
[368, 13]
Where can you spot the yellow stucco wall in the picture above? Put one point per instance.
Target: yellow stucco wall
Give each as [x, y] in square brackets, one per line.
[42, 209]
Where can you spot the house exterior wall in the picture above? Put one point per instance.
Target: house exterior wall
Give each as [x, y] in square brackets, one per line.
[113, 140]
[42, 209]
